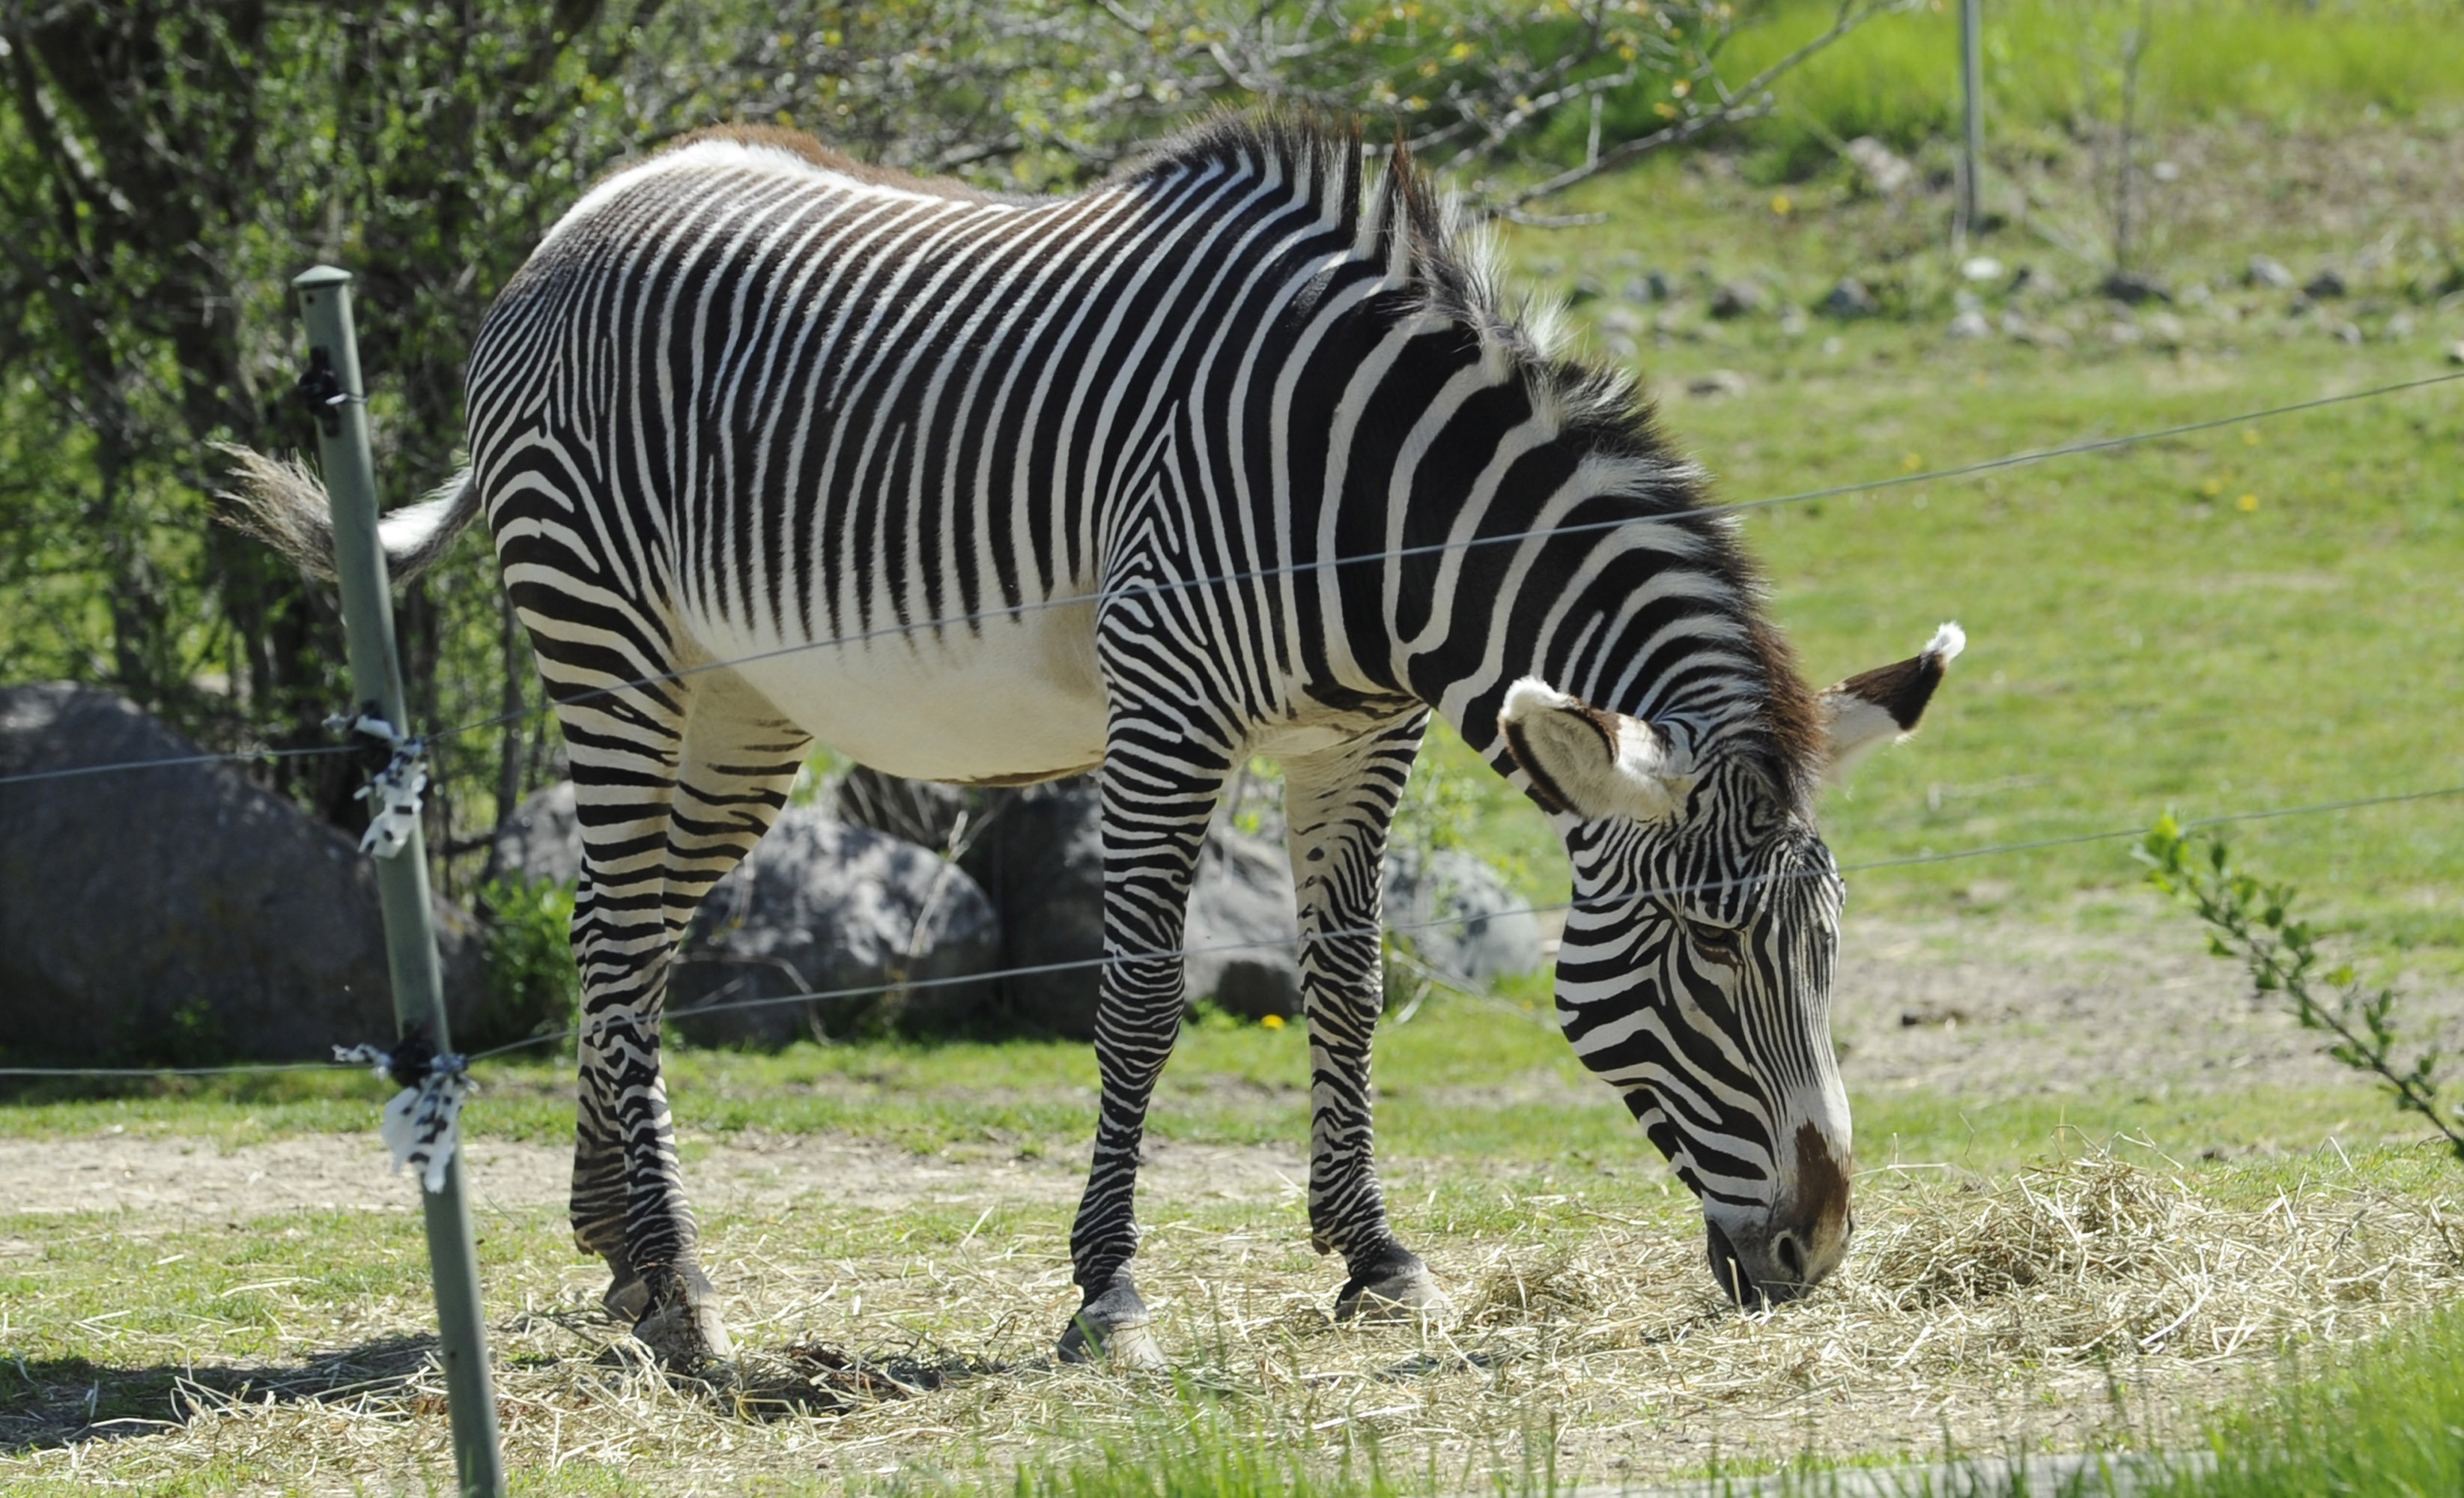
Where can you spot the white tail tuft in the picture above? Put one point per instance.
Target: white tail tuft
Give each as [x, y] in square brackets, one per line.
[1947, 641]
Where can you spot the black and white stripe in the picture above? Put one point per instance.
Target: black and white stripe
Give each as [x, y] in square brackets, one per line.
[1205, 462]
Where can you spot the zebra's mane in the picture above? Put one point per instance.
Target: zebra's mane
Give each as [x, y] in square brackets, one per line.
[1444, 266]
[1448, 267]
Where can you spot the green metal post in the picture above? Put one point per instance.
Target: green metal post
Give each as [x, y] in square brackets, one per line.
[402, 880]
[1972, 92]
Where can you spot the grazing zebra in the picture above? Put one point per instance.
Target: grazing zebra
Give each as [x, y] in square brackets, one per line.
[1237, 453]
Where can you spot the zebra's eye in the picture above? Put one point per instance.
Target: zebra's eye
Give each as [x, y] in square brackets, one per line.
[1715, 942]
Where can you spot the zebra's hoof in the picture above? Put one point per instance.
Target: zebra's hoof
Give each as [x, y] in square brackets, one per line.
[682, 1327]
[627, 1299]
[1399, 1287]
[1114, 1327]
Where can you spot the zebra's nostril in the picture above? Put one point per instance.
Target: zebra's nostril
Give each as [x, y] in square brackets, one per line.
[1790, 1258]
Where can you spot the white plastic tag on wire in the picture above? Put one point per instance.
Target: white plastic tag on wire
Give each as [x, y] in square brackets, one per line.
[393, 792]
[423, 1122]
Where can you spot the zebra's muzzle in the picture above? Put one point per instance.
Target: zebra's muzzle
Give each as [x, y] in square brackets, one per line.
[1756, 1286]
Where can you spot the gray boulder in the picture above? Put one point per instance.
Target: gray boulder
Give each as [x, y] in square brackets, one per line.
[181, 914]
[822, 906]
[543, 840]
[1038, 852]
[1460, 917]
[1243, 929]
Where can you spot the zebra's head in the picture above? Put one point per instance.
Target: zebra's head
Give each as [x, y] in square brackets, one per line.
[1695, 973]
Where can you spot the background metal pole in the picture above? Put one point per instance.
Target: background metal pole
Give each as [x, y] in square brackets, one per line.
[1971, 88]
[402, 880]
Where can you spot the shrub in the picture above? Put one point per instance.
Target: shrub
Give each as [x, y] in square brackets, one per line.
[532, 987]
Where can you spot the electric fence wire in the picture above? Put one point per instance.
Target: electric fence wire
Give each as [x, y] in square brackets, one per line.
[2025, 457]
[1081, 964]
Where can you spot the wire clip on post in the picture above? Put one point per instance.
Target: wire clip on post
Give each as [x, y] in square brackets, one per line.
[320, 389]
[394, 788]
[423, 1122]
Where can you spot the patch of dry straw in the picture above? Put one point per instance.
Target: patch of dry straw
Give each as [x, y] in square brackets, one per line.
[1962, 1302]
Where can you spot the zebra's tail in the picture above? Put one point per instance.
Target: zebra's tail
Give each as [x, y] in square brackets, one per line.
[281, 503]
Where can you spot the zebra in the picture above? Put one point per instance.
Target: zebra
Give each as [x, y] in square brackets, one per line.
[1239, 453]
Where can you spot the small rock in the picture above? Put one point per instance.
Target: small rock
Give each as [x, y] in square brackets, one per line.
[1848, 299]
[2131, 288]
[1622, 319]
[1981, 268]
[1966, 301]
[1792, 320]
[2014, 326]
[2323, 286]
[2029, 282]
[1737, 299]
[1970, 324]
[2165, 328]
[1651, 286]
[1718, 383]
[1585, 288]
[1887, 170]
[2349, 333]
[2196, 295]
[2165, 171]
[2456, 352]
[2045, 336]
[2400, 325]
[2124, 334]
[2265, 272]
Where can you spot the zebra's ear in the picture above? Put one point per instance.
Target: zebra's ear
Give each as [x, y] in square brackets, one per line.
[1883, 705]
[1591, 764]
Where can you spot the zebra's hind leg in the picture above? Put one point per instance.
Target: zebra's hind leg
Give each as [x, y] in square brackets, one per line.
[1339, 804]
[1160, 789]
[672, 792]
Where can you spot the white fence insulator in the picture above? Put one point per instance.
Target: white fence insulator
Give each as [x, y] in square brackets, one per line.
[393, 792]
[423, 1122]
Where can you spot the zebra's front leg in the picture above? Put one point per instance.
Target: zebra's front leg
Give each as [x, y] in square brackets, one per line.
[1339, 804]
[1160, 792]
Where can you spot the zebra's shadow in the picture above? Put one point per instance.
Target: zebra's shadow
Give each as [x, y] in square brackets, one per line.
[50, 1403]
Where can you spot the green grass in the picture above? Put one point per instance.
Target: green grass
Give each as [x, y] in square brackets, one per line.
[2388, 1419]
[2052, 66]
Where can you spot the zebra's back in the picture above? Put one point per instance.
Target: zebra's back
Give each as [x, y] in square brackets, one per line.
[793, 406]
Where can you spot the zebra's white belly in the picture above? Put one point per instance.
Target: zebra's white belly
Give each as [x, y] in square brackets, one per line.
[1022, 700]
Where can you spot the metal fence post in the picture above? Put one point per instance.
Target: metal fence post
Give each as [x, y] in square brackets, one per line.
[1971, 88]
[402, 880]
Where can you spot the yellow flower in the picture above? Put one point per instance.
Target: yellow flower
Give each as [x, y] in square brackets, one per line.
[1780, 204]
[2212, 488]
[2250, 436]
[1912, 463]
[2246, 503]
[1272, 1022]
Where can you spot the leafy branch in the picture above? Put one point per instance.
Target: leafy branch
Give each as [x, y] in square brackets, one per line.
[2253, 920]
